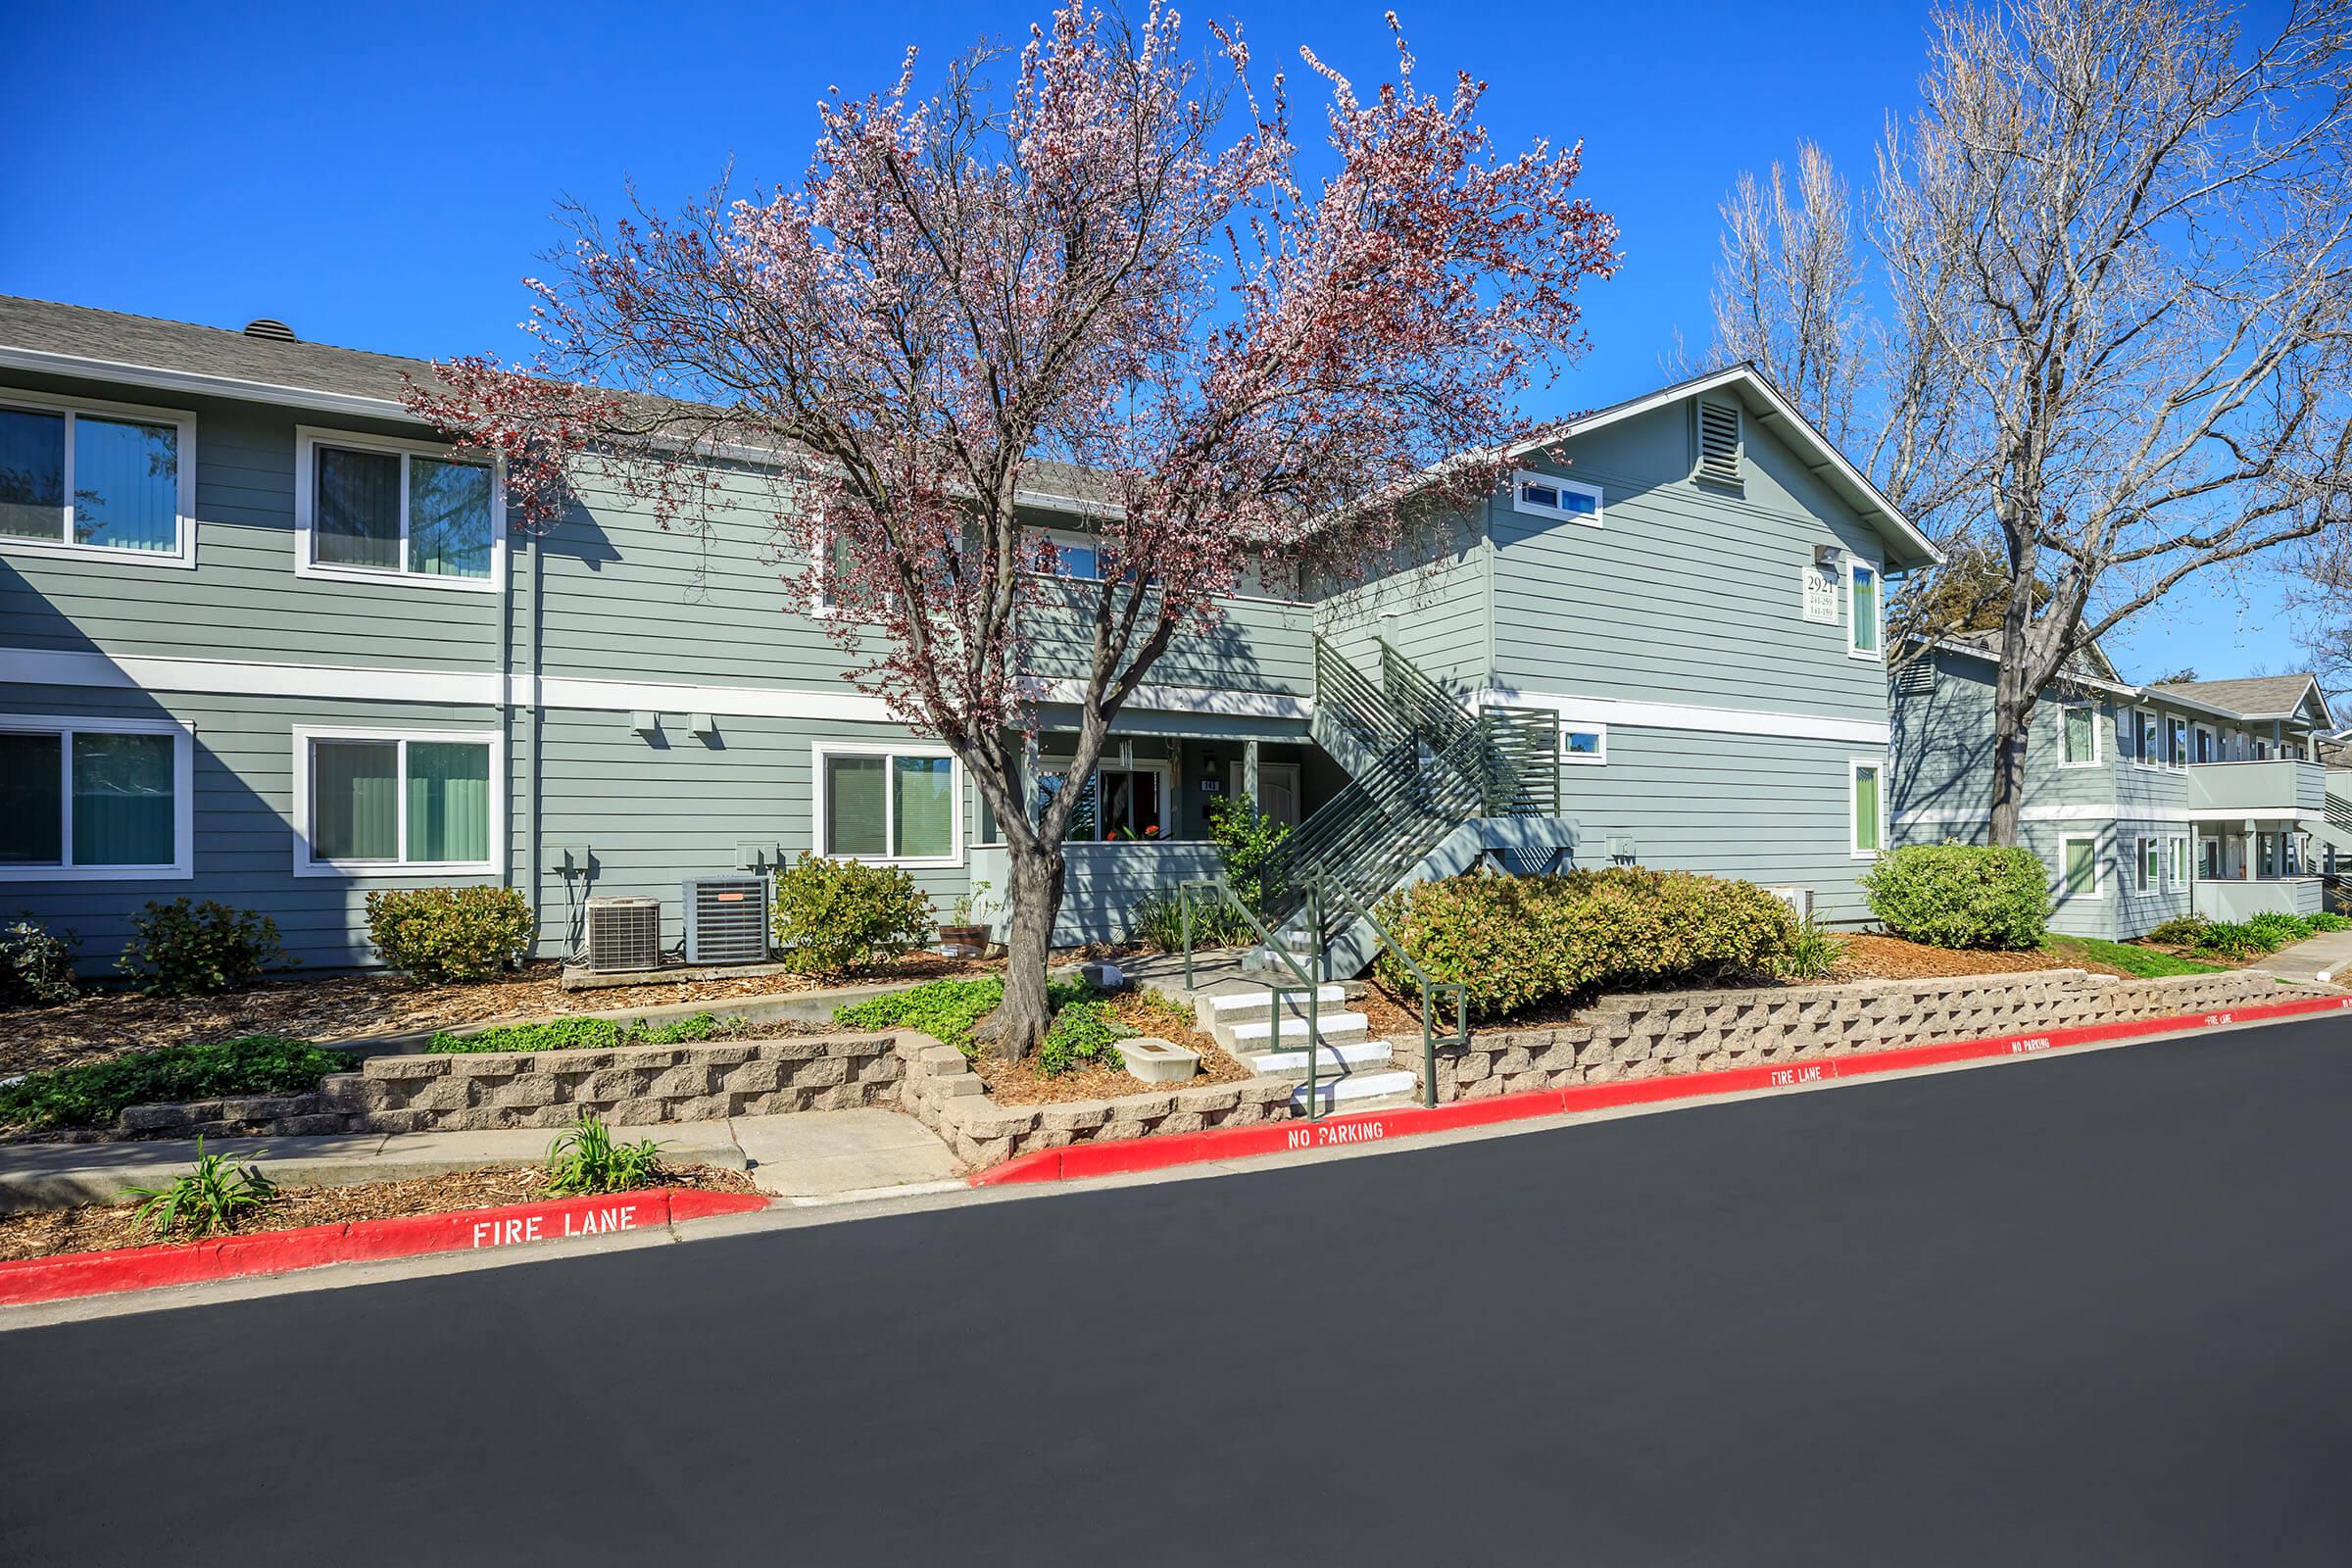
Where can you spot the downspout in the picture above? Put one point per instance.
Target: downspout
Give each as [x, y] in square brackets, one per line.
[531, 735]
[506, 708]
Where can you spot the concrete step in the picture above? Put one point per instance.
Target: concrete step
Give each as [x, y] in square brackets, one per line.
[1330, 1061]
[1334, 1028]
[1256, 1003]
[1363, 1091]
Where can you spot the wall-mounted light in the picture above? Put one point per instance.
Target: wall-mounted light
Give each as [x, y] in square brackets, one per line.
[1826, 555]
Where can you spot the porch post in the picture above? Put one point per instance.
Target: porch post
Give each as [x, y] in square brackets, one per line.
[1250, 773]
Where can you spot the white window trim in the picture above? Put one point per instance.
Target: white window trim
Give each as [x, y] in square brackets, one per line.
[2142, 883]
[2176, 758]
[183, 551]
[1878, 577]
[1523, 477]
[818, 751]
[1853, 794]
[2098, 746]
[2139, 740]
[2098, 868]
[183, 798]
[305, 865]
[2210, 734]
[309, 438]
[1571, 758]
[2179, 864]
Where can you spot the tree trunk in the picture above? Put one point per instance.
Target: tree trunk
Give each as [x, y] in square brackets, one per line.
[2011, 719]
[1018, 1026]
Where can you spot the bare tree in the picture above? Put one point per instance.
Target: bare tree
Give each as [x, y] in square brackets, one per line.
[2319, 591]
[2120, 228]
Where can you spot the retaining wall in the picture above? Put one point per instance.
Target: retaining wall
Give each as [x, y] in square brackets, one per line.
[944, 1094]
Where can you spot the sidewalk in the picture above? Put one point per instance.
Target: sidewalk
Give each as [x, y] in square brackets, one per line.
[809, 1155]
[2325, 956]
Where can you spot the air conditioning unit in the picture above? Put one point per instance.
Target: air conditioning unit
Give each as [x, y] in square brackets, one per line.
[727, 919]
[625, 934]
[1799, 900]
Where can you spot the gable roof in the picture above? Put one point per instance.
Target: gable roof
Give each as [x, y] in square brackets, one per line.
[2255, 697]
[2089, 667]
[1908, 547]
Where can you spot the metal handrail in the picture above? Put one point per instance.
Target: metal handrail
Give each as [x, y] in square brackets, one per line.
[1429, 1041]
[1275, 991]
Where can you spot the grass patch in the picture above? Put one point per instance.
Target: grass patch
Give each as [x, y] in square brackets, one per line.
[588, 1034]
[93, 1094]
[2145, 962]
[948, 1010]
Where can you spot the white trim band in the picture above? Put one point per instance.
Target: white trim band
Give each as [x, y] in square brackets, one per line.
[1680, 715]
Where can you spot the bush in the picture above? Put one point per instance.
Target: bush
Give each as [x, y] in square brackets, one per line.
[840, 918]
[2182, 931]
[2330, 922]
[947, 1010]
[1081, 1032]
[2277, 929]
[587, 1034]
[1812, 952]
[2228, 940]
[1513, 941]
[209, 1196]
[1157, 921]
[92, 1093]
[438, 934]
[35, 965]
[586, 1160]
[183, 948]
[1961, 896]
[1245, 838]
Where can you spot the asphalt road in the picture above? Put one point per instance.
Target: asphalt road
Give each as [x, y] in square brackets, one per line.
[2088, 1310]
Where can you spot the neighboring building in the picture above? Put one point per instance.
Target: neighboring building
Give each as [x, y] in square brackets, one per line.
[2145, 802]
[263, 640]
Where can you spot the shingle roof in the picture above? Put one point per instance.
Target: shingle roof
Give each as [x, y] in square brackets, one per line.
[2256, 697]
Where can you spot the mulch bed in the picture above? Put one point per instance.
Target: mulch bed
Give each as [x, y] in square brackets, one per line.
[1021, 1082]
[112, 1022]
[1884, 957]
[41, 1233]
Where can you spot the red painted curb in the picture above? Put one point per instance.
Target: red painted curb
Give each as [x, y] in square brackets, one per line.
[1122, 1156]
[137, 1269]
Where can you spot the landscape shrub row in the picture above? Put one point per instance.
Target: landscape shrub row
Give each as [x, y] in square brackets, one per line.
[92, 1093]
[1961, 896]
[2240, 940]
[588, 1034]
[1513, 941]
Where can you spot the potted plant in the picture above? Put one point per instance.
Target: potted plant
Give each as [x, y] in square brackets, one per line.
[964, 933]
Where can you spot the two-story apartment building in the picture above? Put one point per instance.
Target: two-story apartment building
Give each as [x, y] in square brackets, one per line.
[2145, 801]
[264, 640]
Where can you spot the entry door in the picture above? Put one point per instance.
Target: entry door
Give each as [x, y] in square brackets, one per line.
[1277, 789]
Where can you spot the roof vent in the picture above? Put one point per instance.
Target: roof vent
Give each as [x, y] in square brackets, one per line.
[276, 331]
[1718, 442]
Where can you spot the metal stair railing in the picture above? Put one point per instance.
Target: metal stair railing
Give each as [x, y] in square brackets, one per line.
[1216, 891]
[1430, 991]
[1355, 704]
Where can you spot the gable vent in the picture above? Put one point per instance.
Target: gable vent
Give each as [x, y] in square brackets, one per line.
[1719, 442]
[1915, 679]
[276, 331]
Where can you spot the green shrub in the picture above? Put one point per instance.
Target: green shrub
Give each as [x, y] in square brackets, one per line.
[2182, 931]
[585, 1160]
[36, 967]
[184, 949]
[1513, 941]
[2230, 940]
[947, 1010]
[438, 934]
[92, 1093]
[1081, 1032]
[841, 918]
[1811, 954]
[2330, 922]
[1157, 921]
[2277, 929]
[1246, 839]
[1961, 895]
[209, 1196]
[587, 1034]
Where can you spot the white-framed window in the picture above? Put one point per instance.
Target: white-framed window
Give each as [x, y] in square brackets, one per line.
[901, 804]
[2176, 743]
[1866, 806]
[1584, 744]
[110, 480]
[379, 509]
[94, 799]
[397, 802]
[2179, 858]
[2208, 744]
[2149, 864]
[2291, 849]
[2266, 855]
[2144, 737]
[2209, 860]
[1547, 496]
[1865, 613]
[1123, 802]
[2079, 867]
[2078, 733]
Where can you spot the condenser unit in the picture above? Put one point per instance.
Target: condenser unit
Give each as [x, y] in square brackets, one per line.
[1799, 900]
[727, 919]
[624, 934]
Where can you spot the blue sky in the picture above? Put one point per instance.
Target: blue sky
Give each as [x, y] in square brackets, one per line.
[383, 183]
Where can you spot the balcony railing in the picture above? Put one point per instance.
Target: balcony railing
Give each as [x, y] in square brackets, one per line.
[2278, 788]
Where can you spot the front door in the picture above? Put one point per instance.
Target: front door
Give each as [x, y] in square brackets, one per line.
[1277, 789]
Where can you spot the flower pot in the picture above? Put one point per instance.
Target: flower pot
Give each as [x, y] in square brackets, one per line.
[963, 941]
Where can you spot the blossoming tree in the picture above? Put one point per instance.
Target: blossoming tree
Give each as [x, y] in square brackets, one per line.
[1121, 265]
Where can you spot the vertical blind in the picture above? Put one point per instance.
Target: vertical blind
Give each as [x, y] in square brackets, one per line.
[923, 806]
[32, 474]
[2081, 866]
[356, 518]
[854, 823]
[1866, 609]
[123, 805]
[1866, 808]
[125, 484]
[449, 802]
[355, 800]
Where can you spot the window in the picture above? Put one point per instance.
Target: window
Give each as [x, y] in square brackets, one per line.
[87, 478]
[419, 803]
[2266, 855]
[2208, 744]
[1862, 610]
[2176, 742]
[372, 507]
[2209, 860]
[1545, 496]
[2180, 861]
[2151, 867]
[1866, 806]
[1584, 745]
[2262, 751]
[1122, 801]
[2079, 867]
[2080, 725]
[2143, 742]
[896, 804]
[94, 799]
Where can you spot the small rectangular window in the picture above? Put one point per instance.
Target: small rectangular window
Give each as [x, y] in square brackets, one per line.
[394, 804]
[1584, 745]
[1863, 615]
[2079, 861]
[2180, 861]
[2177, 742]
[396, 511]
[92, 479]
[2151, 870]
[1546, 496]
[2081, 736]
[2143, 738]
[1868, 809]
[889, 805]
[93, 797]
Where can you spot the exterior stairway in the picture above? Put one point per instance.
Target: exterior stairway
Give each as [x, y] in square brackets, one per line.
[1353, 1070]
[2334, 824]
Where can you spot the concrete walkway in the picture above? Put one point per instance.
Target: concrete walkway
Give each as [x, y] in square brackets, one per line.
[2325, 956]
[814, 1155]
